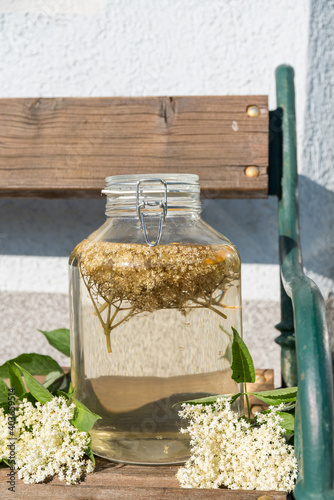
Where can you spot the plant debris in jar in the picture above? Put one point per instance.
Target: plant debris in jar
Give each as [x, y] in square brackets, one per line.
[128, 279]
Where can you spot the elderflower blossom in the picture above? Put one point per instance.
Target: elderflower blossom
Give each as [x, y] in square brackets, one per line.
[228, 451]
[46, 442]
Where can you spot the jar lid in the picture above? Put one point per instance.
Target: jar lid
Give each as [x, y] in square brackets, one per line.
[152, 194]
[128, 183]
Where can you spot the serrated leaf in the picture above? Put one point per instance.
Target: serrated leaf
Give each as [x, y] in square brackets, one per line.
[277, 396]
[210, 399]
[242, 363]
[83, 419]
[59, 339]
[36, 364]
[16, 381]
[36, 389]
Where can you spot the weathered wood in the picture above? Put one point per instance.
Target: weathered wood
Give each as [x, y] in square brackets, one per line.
[65, 147]
[125, 482]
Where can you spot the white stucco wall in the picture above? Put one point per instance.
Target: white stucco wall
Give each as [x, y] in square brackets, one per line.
[145, 47]
[172, 47]
[316, 184]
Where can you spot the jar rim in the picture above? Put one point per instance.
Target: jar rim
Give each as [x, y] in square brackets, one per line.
[191, 179]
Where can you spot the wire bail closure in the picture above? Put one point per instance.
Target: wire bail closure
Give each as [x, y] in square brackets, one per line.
[161, 204]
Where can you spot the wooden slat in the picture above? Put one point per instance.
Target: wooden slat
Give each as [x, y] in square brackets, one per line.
[65, 147]
[126, 482]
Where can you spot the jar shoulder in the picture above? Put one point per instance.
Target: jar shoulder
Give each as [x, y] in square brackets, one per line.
[175, 230]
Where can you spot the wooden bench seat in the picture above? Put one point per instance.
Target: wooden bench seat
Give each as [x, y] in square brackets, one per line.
[66, 147]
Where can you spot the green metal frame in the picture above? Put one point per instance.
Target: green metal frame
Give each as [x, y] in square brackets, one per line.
[306, 355]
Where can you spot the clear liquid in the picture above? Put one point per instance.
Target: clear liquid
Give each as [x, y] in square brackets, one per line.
[157, 359]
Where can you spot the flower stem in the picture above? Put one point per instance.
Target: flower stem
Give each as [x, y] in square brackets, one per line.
[209, 306]
[107, 331]
[122, 320]
[95, 306]
[247, 401]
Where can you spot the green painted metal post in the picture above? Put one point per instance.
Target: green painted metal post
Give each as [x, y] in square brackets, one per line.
[286, 328]
[287, 341]
[315, 417]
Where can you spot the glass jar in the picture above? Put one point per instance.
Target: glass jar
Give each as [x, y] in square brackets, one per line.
[154, 294]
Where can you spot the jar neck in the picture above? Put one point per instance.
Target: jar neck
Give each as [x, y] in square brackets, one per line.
[166, 195]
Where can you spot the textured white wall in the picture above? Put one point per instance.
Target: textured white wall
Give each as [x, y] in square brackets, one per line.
[316, 185]
[143, 47]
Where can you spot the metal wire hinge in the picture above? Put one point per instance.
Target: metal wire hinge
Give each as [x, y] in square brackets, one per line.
[161, 204]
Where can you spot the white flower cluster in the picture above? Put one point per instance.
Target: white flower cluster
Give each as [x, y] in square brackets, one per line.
[228, 451]
[46, 443]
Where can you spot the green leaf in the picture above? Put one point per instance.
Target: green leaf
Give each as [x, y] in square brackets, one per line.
[290, 439]
[66, 382]
[3, 395]
[83, 419]
[51, 378]
[277, 396]
[288, 422]
[242, 364]
[289, 407]
[16, 382]
[89, 451]
[209, 400]
[36, 389]
[36, 364]
[29, 397]
[59, 339]
[63, 394]
[71, 391]
[228, 351]
[57, 381]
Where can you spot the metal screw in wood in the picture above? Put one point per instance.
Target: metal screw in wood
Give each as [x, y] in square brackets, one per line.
[253, 111]
[252, 171]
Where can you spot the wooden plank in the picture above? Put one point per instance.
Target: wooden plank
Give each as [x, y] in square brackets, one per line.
[126, 482]
[65, 147]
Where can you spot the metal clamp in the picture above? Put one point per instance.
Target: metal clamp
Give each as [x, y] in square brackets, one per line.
[161, 204]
